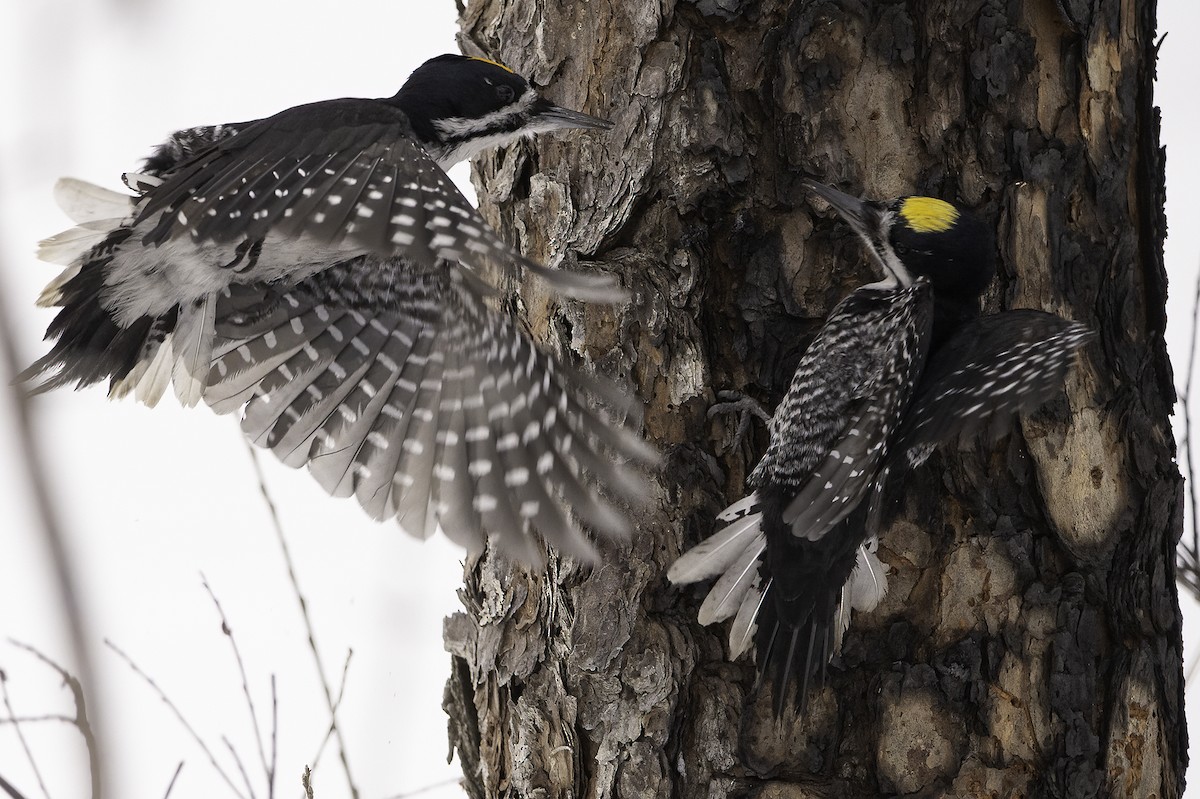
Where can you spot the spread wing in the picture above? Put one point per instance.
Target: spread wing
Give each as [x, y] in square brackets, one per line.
[990, 368]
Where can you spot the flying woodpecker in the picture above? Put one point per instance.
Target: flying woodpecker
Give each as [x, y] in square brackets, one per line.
[900, 366]
[318, 271]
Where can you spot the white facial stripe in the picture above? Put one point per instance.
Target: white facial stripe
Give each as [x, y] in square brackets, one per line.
[881, 250]
[461, 127]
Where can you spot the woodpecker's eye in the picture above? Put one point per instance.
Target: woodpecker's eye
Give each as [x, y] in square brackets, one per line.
[504, 93]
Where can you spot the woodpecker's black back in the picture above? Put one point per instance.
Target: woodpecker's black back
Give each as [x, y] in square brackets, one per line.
[317, 270]
[898, 367]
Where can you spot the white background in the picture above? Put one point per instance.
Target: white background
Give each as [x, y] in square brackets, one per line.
[153, 499]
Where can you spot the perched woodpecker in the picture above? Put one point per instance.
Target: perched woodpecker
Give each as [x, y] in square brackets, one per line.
[900, 366]
[319, 270]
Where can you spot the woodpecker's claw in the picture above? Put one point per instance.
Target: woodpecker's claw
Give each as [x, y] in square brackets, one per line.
[734, 402]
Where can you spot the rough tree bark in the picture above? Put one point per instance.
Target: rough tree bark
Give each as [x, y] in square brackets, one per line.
[1030, 642]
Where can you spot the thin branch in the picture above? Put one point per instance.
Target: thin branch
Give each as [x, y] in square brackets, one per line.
[237, 759]
[174, 777]
[338, 703]
[237, 655]
[274, 740]
[80, 721]
[26, 451]
[13, 793]
[59, 717]
[178, 715]
[37, 773]
[330, 703]
[1188, 571]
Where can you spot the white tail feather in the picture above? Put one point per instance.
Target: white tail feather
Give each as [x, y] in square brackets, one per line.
[71, 245]
[51, 296]
[739, 508]
[714, 555]
[741, 632]
[868, 582]
[86, 202]
[863, 591]
[97, 212]
[726, 596]
[193, 343]
[157, 376]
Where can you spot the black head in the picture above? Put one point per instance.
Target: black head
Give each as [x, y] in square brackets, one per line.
[912, 236]
[460, 105]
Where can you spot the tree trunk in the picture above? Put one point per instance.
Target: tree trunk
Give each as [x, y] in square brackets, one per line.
[1030, 641]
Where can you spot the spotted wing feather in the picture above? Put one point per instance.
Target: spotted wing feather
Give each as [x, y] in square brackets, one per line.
[402, 387]
[991, 368]
[346, 175]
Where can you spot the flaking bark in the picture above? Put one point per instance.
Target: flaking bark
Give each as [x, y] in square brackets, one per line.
[1030, 642]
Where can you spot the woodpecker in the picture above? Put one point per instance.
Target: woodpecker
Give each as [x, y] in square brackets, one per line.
[318, 270]
[899, 367]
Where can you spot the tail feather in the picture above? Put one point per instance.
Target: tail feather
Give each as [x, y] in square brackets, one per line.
[150, 376]
[800, 652]
[730, 590]
[65, 249]
[90, 344]
[745, 623]
[716, 554]
[192, 344]
[864, 590]
[86, 202]
[789, 597]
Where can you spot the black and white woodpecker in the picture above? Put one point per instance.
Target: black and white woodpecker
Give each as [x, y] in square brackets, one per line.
[900, 366]
[319, 270]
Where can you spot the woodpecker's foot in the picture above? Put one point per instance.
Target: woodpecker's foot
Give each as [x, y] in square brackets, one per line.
[744, 407]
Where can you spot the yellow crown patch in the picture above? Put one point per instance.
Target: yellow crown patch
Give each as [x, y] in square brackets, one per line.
[928, 215]
[493, 63]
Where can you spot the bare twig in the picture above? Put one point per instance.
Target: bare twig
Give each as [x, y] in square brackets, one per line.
[330, 703]
[174, 777]
[1188, 560]
[59, 717]
[274, 740]
[329, 732]
[178, 715]
[80, 721]
[237, 655]
[13, 793]
[237, 759]
[27, 451]
[37, 773]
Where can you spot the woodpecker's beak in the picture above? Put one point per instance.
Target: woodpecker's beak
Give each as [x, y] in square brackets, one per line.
[863, 216]
[868, 219]
[547, 116]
